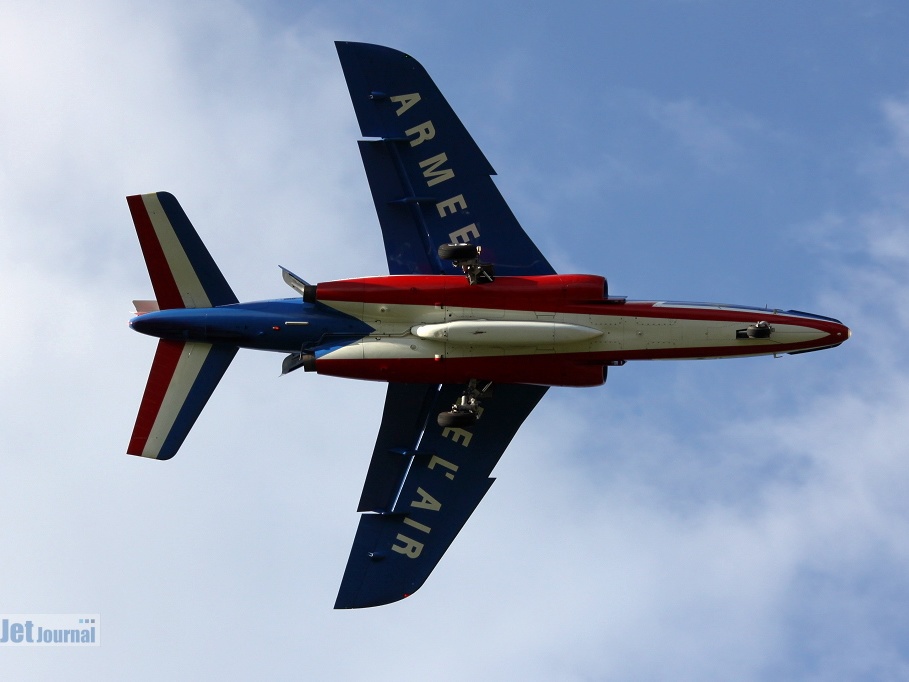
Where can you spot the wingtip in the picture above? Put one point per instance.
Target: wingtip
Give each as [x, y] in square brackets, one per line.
[347, 605]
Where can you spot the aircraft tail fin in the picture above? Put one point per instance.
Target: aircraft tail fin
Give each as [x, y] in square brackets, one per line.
[145, 306]
[182, 271]
[182, 378]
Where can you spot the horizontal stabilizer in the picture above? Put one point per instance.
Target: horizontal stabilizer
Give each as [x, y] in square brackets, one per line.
[182, 378]
[182, 271]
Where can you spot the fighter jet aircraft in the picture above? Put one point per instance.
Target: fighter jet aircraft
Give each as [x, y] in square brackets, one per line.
[469, 329]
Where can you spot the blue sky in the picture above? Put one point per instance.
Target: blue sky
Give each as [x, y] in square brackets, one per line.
[723, 520]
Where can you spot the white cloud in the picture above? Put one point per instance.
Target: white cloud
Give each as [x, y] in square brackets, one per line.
[716, 136]
[896, 112]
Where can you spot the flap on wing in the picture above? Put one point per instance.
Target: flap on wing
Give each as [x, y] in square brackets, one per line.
[430, 182]
[406, 411]
[447, 475]
[408, 246]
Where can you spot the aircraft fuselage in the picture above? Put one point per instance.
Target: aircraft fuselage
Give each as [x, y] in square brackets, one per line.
[554, 330]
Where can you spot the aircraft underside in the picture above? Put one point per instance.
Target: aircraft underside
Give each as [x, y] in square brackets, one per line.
[469, 328]
[565, 343]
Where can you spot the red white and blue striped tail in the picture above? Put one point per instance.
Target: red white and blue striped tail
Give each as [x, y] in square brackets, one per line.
[183, 273]
[182, 378]
[183, 374]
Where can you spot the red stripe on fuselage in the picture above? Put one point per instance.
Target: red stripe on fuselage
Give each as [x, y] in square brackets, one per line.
[575, 294]
[564, 369]
[544, 293]
[541, 370]
[167, 356]
[166, 290]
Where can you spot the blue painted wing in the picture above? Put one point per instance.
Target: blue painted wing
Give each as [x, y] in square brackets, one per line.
[423, 484]
[430, 182]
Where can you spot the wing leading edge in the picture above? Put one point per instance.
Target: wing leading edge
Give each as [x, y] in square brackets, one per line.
[430, 181]
[423, 484]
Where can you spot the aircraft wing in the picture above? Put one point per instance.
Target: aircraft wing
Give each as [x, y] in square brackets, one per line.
[424, 482]
[430, 182]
